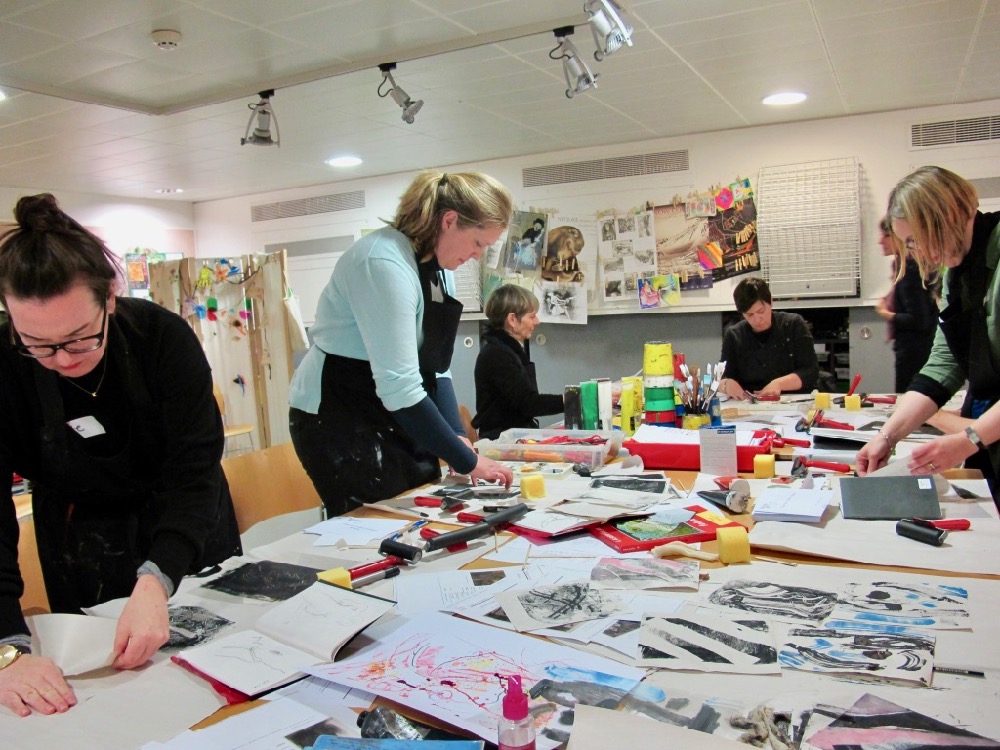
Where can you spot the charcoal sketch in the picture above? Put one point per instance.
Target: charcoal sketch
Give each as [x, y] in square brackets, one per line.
[707, 644]
[266, 580]
[645, 573]
[557, 604]
[775, 600]
[655, 484]
[190, 625]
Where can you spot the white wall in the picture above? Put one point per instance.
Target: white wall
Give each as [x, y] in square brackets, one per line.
[879, 141]
[125, 223]
[611, 347]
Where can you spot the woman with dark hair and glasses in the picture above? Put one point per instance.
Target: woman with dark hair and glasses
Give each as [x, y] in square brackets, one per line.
[372, 404]
[106, 405]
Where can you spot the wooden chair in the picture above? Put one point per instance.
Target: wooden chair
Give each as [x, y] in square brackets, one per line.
[34, 600]
[234, 430]
[470, 432]
[267, 484]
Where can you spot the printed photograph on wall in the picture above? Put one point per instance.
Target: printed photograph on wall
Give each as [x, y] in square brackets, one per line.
[526, 238]
[561, 261]
[561, 302]
[734, 230]
[677, 239]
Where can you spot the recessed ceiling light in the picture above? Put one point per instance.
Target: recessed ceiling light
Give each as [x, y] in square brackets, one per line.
[169, 191]
[785, 97]
[344, 161]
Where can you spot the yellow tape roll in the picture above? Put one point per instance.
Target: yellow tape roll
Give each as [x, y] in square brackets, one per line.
[734, 544]
[658, 358]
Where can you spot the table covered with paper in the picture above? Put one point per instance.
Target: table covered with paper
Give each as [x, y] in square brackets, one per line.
[800, 646]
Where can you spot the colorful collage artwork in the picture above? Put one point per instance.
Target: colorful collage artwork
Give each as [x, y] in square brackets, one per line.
[453, 668]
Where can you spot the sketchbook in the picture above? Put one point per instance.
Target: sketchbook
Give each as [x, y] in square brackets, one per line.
[305, 630]
[889, 498]
[637, 534]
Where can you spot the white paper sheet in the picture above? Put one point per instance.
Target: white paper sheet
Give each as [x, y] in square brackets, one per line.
[76, 643]
[322, 618]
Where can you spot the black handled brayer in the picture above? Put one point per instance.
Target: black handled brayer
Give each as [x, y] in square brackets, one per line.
[412, 553]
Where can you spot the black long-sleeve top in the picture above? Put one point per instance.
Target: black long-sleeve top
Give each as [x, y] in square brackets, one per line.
[176, 445]
[755, 359]
[506, 389]
[916, 310]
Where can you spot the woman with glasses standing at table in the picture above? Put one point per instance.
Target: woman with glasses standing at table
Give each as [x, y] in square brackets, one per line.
[106, 405]
[934, 214]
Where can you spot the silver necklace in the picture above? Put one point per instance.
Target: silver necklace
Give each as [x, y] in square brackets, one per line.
[104, 371]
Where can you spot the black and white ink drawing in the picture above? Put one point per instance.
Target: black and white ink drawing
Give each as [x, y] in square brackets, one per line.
[707, 644]
[775, 600]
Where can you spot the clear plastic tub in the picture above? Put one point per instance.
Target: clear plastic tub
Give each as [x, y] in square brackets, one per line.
[507, 448]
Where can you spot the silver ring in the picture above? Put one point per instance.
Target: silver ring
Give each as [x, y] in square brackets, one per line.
[933, 467]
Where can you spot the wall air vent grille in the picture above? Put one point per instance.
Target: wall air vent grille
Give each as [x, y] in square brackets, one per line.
[954, 132]
[606, 169]
[321, 204]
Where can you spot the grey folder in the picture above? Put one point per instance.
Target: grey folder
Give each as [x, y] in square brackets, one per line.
[889, 498]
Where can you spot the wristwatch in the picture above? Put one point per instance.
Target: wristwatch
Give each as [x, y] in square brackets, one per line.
[974, 437]
[8, 655]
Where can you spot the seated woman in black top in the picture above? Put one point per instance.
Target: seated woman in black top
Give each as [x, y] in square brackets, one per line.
[768, 352]
[506, 390]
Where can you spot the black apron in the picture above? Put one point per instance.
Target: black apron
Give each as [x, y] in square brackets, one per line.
[94, 518]
[384, 461]
[964, 325]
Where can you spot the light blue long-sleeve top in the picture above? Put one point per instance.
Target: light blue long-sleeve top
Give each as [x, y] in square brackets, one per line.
[372, 309]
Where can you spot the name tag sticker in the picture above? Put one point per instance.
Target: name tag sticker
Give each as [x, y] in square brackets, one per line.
[924, 483]
[86, 427]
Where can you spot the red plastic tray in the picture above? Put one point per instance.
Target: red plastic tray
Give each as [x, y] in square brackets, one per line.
[687, 456]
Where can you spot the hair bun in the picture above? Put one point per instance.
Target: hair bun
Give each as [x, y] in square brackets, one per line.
[39, 213]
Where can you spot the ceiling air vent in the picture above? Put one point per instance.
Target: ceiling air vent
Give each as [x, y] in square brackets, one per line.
[954, 132]
[321, 204]
[606, 169]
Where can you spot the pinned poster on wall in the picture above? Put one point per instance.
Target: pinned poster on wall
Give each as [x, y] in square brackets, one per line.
[627, 250]
[734, 232]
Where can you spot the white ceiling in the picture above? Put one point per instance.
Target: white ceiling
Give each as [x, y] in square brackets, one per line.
[94, 106]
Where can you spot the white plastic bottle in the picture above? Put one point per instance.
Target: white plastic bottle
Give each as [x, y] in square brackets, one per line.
[516, 730]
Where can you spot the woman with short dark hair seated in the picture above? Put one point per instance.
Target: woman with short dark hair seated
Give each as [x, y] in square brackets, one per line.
[506, 390]
[769, 352]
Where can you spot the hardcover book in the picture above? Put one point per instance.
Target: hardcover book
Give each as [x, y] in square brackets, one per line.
[637, 534]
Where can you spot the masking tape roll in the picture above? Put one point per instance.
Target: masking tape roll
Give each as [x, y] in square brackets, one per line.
[763, 466]
[852, 403]
[666, 404]
[668, 417]
[658, 381]
[658, 358]
[822, 400]
[734, 544]
[659, 393]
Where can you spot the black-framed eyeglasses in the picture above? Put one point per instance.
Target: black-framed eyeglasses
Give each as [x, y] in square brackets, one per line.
[76, 346]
